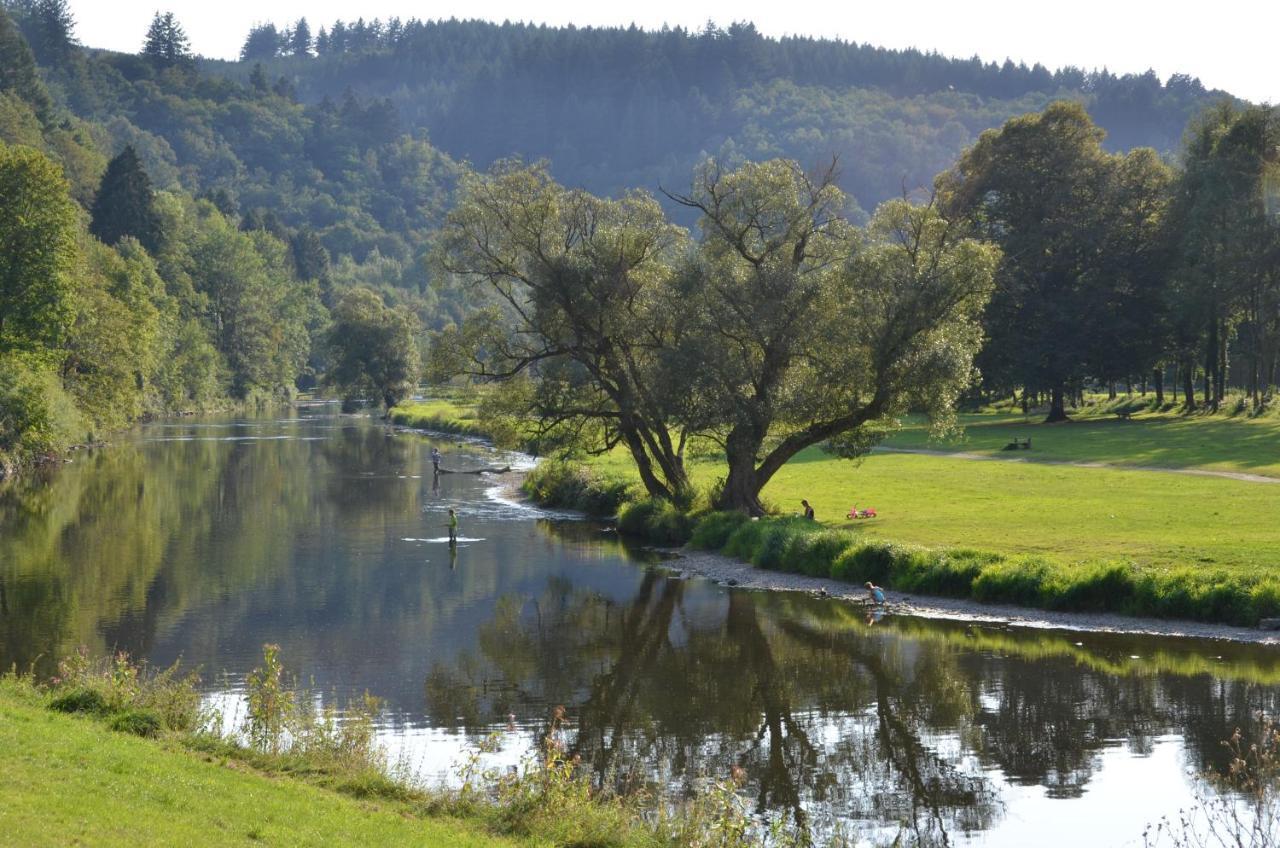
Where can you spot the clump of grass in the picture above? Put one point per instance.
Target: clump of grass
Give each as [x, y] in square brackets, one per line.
[139, 722]
[657, 520]
[574, 486]
[131, 697]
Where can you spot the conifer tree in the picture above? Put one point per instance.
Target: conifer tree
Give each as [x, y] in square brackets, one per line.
[125, 204]
[167, 44]
[51, 31]
[300, 42]
[18, 69]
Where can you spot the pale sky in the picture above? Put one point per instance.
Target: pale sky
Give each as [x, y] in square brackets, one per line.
[1228, 44]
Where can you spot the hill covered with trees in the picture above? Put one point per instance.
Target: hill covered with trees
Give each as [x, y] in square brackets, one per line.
[620, 108]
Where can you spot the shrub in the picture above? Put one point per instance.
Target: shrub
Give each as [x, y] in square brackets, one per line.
[656, 520]
[869, 561]
[815, 553]
[1015, 581]
[81, 699]
[135, 721]
[712, 531]
[574, 486]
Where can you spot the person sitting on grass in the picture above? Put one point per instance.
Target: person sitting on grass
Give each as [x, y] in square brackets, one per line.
[808, 510]
[875, 593]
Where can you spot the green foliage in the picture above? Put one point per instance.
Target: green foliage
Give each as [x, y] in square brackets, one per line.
[136, 722]
[373, 349]
[18, 73]
[657, 520]
[713, 531]
[572, 485]
[79, 700]
[271, 702]
[1078, 292]
[167, 45]
[37, 226]
[124, 205]
[37, 417]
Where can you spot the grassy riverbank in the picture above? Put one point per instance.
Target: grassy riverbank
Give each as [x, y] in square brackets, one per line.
[1037, 534]
[1121, 537]
[110, 753]
[440, 415]
[71, 781]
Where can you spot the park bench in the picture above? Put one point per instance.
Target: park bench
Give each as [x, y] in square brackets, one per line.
[1019, 444]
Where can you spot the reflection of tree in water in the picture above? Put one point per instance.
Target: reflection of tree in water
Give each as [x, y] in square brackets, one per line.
[664, 693]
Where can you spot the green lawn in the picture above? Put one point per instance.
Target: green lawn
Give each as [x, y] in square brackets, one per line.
[1218, 443]
[1064, 512]
[69, 781]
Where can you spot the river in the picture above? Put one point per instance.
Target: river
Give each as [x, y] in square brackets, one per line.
[203, 539]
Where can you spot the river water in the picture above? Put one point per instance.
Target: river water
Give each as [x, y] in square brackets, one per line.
[203, 539]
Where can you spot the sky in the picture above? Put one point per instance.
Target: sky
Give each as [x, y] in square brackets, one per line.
[1228, 44]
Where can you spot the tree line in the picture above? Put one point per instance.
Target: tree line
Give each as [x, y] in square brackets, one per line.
[598, 102]
[119, 300]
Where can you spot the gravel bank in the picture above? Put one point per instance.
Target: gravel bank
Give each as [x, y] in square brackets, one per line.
[723, 569]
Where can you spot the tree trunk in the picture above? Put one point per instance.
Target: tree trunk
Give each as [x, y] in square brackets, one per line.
[741, 491]
[1220, 388]
[652, 485]
[1057, 408]
[1157, 378]
[1189, 386]
[1211, 366]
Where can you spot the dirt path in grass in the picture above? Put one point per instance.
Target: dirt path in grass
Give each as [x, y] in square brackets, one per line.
[1242, 476]
[732, 572]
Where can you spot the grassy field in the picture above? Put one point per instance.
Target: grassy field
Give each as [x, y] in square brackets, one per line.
[69, 781]
[1062, 512]
[1167, 440]
[1058, 511]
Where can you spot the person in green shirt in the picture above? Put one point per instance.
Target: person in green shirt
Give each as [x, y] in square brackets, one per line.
[453, 527]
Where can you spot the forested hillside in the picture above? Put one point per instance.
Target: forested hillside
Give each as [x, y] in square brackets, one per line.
[621, 108]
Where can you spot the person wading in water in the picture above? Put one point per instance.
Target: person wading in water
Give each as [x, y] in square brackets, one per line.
[453, 527]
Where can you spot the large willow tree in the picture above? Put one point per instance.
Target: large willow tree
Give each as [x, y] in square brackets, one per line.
[810, 331]
[584, 307]
[783, 328]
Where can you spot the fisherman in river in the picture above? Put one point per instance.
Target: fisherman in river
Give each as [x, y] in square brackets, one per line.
[435, 459]
[453, 527]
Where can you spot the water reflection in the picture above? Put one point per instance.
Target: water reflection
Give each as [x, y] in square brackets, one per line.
[318, 536]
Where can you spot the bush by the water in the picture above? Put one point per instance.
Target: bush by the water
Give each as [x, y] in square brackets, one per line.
[657, 520]
[574, 486]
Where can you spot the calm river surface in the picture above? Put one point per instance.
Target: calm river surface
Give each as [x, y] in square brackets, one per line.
[202, 539]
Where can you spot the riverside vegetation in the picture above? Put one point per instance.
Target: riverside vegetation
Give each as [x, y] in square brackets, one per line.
[293, 772]
[1133, 541]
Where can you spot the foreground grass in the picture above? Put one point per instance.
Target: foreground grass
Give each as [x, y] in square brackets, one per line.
[70, 781]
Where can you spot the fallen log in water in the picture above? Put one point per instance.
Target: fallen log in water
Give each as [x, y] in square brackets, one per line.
[504, 470]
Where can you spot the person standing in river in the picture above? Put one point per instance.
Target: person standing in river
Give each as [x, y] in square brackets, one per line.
[435, 460]
[453, 526]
